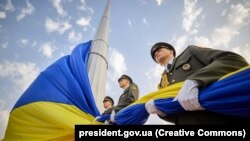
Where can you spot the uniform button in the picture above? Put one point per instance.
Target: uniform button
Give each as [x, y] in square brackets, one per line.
[173, 80]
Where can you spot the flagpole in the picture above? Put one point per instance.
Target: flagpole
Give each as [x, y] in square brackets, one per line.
[98, 63]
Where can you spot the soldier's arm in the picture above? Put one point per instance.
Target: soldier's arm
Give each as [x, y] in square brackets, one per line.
[125, 104]
[217, 63]
[108, 111]
[122, 103]
[133, 93]
[120, 106]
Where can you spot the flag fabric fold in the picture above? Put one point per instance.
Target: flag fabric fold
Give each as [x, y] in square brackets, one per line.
[230, 96]
[103, 118]
[58, 99]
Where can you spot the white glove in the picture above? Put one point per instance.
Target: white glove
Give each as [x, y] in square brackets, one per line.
[151, 108]
[112, 116]
[188, 96]
[96, 118]
[106, 122]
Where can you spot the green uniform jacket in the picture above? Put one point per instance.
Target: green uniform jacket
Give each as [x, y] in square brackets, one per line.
[108, 111]
[130, 95]
[205, 66]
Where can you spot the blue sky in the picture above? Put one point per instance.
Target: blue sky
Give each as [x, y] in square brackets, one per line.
[35, 33]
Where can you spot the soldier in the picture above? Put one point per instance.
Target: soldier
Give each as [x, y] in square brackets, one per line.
[129, 95]
[108, 104]
[198, 67]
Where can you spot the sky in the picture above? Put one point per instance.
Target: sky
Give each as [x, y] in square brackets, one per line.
[35, 33]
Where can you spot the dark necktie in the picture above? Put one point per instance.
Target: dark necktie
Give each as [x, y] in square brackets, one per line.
[169, 66]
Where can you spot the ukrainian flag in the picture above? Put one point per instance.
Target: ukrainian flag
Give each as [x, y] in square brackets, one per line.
[229, 96]
[58, 99]
[61, 97]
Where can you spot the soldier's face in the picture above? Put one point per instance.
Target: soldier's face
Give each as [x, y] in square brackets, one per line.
[124, 83]
[163, 55]
[107, 104]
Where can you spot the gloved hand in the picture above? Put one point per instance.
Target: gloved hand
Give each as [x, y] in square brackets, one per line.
[106, 122]
[96, 118]
[112, 116]
[151, 108]
[188, 96]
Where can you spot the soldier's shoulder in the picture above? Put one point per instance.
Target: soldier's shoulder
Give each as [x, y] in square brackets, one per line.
[133, 87]
[194, 48]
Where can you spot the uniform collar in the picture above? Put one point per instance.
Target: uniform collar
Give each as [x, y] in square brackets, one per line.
[169, 63]
[125, 90]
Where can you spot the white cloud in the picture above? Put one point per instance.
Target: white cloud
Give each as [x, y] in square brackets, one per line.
[235, 21]
[117, 64]
[116, 67]
[4, 121]
[59, 8]
[83, 3]
[129, 23]
[238, 15]
[153, 76]
[244, 51]
[179, 44]
[191, 13]
[155, 72]
[24, 41]
[159, 2]
[223, 35]
[73, 37]
[84, 7]
[217, 1]
[247, 4]
[26, 11]
[202, 41]
[223, 13]
[56, 26]
[9, 6]
[83, 21]
[22, 74]
[4, 45]
[47, 49]
[2, 15]
[144, 21]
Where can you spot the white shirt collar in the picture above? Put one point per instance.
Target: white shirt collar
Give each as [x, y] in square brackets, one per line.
[170, 62]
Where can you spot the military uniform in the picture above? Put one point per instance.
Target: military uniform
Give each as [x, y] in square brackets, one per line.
[109, 110]
[205, 66]
[129, 95]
